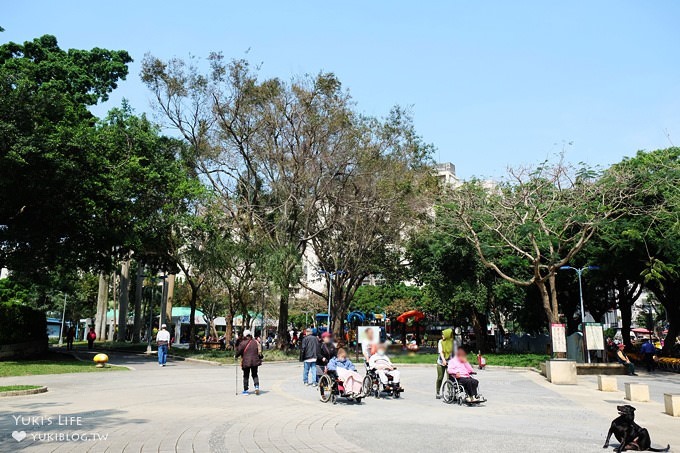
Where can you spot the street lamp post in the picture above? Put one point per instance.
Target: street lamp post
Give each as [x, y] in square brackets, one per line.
[63, 316]
[579, 272]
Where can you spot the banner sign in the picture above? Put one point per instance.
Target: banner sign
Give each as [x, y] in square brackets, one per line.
[594, 336]
[558, 335]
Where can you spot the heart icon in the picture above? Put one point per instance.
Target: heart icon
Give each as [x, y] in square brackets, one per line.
[19, 435]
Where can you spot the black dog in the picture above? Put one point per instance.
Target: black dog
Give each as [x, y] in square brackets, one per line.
[630, 435]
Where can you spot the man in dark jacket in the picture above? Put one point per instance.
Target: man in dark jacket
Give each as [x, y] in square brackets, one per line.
[309, 349]
[327, 351]
[250, 349]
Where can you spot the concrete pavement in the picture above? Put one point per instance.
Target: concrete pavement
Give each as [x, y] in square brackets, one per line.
[193, 407]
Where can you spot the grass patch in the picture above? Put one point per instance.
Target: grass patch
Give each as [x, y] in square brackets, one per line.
[514, 360]
[50, 363]
[13, 388]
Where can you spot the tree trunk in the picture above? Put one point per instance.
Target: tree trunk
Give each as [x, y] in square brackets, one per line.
[553, 317]
[170, 297]
[282, 330]
[338, 324]
[479, 322]
[229, 333]
[164, 299]
[673, 313]
[625, 305]
[137, 323]
[554, 306]
[669, 297]
[102, 307]
[124, 298]
[192, 318]
[112, 331]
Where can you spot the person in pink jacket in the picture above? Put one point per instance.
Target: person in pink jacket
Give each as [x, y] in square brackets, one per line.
[460, 368]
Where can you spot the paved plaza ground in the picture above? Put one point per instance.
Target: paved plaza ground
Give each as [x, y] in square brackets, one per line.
[193, 407]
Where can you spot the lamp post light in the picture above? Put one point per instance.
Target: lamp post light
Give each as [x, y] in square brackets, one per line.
[330, 274]
[579, 272]
[63, 316]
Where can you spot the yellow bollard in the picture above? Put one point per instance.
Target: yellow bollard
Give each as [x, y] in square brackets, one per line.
[100, 360]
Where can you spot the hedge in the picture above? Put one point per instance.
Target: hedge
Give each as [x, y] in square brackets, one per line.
[20, 324]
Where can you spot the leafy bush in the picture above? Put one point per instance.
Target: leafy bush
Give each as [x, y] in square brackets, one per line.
[19, 324]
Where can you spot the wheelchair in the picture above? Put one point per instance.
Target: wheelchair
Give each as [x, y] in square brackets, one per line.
[331, 387]
[453, 392]
[373, 385]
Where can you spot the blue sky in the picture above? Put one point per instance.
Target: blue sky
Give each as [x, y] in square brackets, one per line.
[491, 84]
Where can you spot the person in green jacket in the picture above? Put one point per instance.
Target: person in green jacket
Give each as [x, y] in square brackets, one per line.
[445, 350]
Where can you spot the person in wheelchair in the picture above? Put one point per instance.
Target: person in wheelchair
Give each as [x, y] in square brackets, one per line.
[460, 368]
[347, 373]
[382, 365]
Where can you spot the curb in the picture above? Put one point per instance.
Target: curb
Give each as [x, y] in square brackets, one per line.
[42, 389]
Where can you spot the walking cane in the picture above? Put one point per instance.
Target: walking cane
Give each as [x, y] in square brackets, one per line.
[235, 377]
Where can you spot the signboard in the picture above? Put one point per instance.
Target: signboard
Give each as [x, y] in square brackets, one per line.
[368, 335]
[558, 335]
[594, 336]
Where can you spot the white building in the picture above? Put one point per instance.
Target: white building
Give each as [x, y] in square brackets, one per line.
[446, 172]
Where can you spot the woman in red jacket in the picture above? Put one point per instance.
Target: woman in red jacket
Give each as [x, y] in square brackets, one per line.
[251, 351]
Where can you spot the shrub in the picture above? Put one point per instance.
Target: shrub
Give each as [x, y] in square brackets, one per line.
[20, 324]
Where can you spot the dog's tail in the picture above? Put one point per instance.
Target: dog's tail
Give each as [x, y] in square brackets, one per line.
[668, 447]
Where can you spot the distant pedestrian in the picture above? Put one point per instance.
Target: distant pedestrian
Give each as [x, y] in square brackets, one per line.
[70, 335]
[648, 351]
[251, 351]
[309, 350]
[163, 342]
[91, 336]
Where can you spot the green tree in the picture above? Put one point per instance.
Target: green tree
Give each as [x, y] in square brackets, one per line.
[392, 299]
[48, 176]
[652, 227]
[538, 220]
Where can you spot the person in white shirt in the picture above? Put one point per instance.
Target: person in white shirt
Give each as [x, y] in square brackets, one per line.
[163, 342]
[382, 364]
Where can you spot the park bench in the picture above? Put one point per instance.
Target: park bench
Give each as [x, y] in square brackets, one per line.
[212, 345]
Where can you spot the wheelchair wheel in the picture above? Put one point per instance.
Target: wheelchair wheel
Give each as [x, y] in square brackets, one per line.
[460, 394]
[325, 388]
[376, 390]
[367, 386]
[448, 392]
[460, 399]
